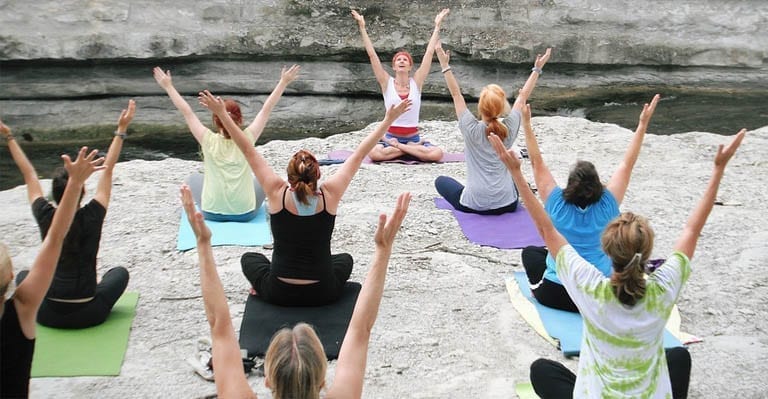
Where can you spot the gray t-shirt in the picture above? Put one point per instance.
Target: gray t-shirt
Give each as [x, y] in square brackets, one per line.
[489, 183]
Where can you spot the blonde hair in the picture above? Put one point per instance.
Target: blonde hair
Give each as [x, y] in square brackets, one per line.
[628, 241]
[295, 363]
[6, 269]
[492, 104]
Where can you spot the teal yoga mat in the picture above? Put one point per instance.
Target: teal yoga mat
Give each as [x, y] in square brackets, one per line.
[247, 234]
[93, 351]
[567, 327]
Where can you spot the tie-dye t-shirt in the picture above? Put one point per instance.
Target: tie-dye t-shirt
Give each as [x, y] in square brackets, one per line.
[622, 352]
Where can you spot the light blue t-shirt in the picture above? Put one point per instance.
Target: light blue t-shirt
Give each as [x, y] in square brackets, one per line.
[582, 228]
[489, 183]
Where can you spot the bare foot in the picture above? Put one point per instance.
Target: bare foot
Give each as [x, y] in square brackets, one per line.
[392, 142]
[253, 292]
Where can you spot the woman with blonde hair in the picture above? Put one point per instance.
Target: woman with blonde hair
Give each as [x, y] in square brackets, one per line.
[303, 272]
[402, 138]
[490, 189]
[19, 311]
[622, 353]
[295, 363]
[227, 191]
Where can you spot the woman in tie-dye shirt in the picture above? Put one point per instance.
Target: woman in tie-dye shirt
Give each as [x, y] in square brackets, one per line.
[622, 353]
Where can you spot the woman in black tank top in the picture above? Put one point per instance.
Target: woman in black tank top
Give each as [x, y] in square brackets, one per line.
[302, 271]
[18, 314]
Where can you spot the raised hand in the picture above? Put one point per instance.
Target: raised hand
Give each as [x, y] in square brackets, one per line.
[359, 18]
[395, 111]
[440, 16]
[288, 75]
[648, 109]
[507, 156]
[202, 232]
[724, 153]
[83, 166]
[526, 112]
[126, 116]
[162, 78]
[5, 130]
[444, 56]
[541, 60]
[213, 103]
[388, 227]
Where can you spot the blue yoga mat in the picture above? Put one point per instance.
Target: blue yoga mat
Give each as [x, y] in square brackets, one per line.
[247, 234]
[567, 327]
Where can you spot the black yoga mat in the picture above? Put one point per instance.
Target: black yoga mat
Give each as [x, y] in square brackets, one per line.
[262, 320]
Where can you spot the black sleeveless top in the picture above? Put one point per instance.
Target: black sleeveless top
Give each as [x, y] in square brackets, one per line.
[15, 355]
[302, 244]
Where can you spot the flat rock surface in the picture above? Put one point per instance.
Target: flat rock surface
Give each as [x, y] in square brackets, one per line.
[445, 326]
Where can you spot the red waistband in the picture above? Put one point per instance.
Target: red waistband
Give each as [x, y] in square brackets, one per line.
[402, 130]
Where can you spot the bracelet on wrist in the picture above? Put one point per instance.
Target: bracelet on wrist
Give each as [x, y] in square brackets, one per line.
[9, 137]
[121, 135]
[537, 70]
[446, 69]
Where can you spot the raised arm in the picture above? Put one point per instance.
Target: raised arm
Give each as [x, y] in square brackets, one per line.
[686, 243]
[350, 368]
[32, 290]
[378, 70]
[195, 126]
[230, 378]
[620, 179]
[525, 92]
[426, 63]
[453, 85]
[104, 189]
[337, 184]
[552, 238]
[267, 177]
[545, 183]
[287, 75]
[34, 189]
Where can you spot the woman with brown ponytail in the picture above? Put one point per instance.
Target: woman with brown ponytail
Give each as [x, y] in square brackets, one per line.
[489, 190]
[302, 216]
[622, 353]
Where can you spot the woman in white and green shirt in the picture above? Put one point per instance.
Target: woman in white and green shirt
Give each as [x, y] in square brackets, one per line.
[622, 353]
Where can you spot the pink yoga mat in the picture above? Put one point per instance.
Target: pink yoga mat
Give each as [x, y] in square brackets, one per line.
[341, 155]
[506, 231]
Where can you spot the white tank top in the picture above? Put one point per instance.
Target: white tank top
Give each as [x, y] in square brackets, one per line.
[411, 117]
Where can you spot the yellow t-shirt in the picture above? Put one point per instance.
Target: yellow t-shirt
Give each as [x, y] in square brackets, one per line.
[228, 181]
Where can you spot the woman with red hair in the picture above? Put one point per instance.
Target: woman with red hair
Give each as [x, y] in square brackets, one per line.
[490, 189]
[229, 191]
[303, 272]
[402, 138]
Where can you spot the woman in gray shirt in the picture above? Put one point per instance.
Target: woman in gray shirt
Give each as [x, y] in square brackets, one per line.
[490, 189]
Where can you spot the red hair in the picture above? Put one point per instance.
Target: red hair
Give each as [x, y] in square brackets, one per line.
[234, 112]
[491, 105]
[405, 53]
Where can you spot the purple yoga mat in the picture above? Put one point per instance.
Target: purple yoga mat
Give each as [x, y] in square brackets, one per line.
[507, 231]
[447, 157]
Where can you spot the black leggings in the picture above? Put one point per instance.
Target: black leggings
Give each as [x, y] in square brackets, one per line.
[550, 379]
[548, 293]
[451, 190]
[87, 314]
[258, 270]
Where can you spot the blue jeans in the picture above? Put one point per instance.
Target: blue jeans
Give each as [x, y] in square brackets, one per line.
[451, 190]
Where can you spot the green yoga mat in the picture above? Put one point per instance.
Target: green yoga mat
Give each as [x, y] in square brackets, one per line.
[524, 390]
[92, 351]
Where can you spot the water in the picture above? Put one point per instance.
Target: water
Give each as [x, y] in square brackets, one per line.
[677, 112]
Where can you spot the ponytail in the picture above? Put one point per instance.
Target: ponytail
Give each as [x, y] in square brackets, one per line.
[491, 106]
[628, 241]
[303, 173]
